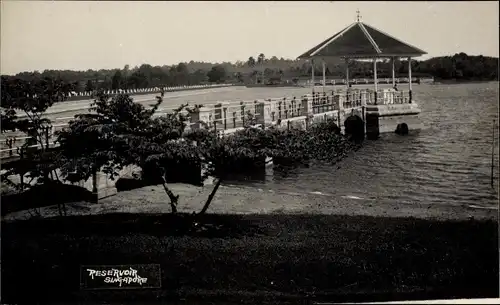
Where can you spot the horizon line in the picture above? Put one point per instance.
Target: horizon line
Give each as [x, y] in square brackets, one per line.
[223, 62]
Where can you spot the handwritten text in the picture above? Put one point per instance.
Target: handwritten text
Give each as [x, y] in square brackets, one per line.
[126, 276]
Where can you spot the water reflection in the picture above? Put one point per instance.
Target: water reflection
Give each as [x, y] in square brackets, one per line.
[448, 162]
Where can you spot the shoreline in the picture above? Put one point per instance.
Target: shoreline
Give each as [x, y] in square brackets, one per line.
[242, 200]
[459, 82]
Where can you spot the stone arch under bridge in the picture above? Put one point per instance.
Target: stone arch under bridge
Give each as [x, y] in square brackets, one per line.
[354, 125]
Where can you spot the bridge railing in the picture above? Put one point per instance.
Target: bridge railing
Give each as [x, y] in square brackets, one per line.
[13, 150]
[286, 108]
[149, 90]
[324, 102]
[390, 96]
[227, 115]
[223, 118]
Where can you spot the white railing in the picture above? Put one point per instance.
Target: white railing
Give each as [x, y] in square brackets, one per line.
[361, 81]
[285, 108]
[150, 90]
[361, 97]
[390, 96]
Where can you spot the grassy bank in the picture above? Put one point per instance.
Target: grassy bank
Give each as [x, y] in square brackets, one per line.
[253, 258]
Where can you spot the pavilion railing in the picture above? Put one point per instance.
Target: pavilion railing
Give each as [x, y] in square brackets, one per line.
[390, 97]
[351, 98]
[366, 81]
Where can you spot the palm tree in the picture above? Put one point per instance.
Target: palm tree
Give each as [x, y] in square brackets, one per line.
[281, 74]
[261, 60]
[251, 62]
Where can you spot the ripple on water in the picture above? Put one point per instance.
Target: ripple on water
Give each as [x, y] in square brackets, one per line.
[448, 163]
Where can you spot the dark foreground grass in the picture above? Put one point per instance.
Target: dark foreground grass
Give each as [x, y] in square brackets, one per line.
[253, 258]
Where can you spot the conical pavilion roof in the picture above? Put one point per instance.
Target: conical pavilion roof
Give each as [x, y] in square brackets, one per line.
[362, 41]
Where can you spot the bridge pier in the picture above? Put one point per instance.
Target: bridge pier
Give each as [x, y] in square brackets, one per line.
[386, 118]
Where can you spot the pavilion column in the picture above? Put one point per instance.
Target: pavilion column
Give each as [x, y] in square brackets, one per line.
[375, 81]
[312, 74]
[324, 75]
[393, 73]
[347, 71]
[409, 78]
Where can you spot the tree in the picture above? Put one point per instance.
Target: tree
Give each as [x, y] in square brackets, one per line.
[92, 141]
[118, 133]
[89, 87]
[261, 58]
[158, 77]
[239, 77]
[223, 155]
[217, 74]
[251, 146]
[254, 74]
[458, 66]
[156, 143]
[138, 80]
[269, 72]
[181, 74]
[251, 62]
[126, 71]
[117, 80]
[199, 77]
[33, 99]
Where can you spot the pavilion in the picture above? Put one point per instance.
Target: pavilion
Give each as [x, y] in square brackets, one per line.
[362, 41]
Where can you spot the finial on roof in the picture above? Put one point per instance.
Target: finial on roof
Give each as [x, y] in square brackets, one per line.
[358, 16]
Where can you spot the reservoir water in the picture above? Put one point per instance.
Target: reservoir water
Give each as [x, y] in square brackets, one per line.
[449, 162]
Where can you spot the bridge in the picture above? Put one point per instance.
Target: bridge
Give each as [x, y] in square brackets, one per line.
[377, 110]
[82, 95]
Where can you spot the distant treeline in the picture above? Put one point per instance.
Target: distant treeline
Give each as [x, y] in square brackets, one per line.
[460, 67]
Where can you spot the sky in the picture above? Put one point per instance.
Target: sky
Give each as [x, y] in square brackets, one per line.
[81, 35]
